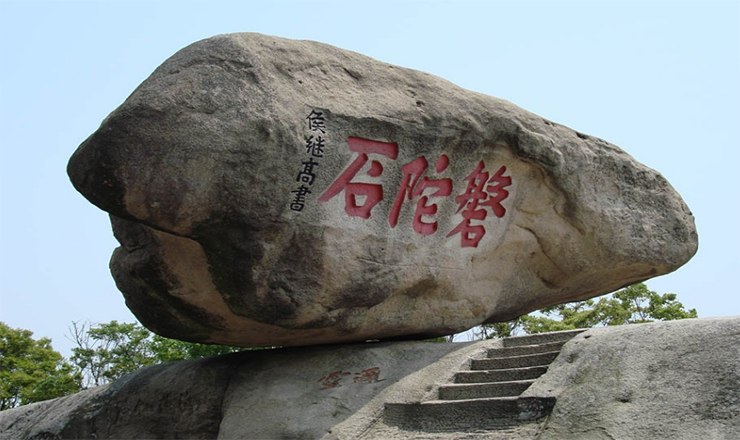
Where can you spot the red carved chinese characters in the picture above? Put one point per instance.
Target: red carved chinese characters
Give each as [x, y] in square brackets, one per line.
[370, 375]
[373, 193]
[411, 188]
[332, 379]
[483, 191]
[496, 185]
[480, 193]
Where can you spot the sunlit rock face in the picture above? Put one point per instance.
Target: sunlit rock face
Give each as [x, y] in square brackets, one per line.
[275, 192]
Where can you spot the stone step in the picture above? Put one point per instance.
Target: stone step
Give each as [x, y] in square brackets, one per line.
[528, 360]
[483, 390]
[488, 396]
[504, 375]
[521, 430]
[540, 338]
[444, 415]
[525, 349]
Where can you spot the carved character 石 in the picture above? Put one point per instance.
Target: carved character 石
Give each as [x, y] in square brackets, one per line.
[354, 191]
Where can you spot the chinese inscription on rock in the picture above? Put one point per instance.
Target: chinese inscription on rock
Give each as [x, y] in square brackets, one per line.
[484, 191]
[422, 186]
[334, 379]
[315, 144]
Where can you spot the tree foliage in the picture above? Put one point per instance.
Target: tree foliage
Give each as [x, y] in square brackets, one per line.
[169, 350]
[106, 352]
[631, 305]
[30, 370]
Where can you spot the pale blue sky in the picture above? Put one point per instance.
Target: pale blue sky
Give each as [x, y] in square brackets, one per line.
[659, 79]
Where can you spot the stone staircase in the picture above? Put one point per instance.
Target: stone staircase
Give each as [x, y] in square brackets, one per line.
[487, 396]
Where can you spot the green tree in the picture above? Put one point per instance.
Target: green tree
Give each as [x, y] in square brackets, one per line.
[498, 329]
[105, 352]
[168, 350]
[631, 305]
[30, 370]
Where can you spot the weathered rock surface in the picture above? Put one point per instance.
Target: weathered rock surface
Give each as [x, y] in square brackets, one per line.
[295, 393]
[276, 192]
[672, 380]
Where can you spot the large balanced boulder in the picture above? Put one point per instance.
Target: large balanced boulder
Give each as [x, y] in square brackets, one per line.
[276, 192]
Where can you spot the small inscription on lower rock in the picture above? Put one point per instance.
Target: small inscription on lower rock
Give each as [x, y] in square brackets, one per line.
[334, 379]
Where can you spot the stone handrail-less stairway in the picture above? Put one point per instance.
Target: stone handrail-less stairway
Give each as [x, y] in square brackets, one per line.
[487, 395]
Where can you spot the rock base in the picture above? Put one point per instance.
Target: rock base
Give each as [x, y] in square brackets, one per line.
[667, 380]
